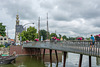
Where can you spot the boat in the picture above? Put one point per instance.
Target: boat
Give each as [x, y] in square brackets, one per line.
[7, 59]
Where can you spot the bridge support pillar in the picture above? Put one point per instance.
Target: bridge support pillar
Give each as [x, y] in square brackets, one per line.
[64, 59]
[80, 61]
[31, 52]
[56, 55]
[40, 52]
[89, 61]
[43, 54]
[50, 58]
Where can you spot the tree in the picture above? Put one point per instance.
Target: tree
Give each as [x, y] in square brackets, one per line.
[31, 31]
[24, 35]
[30, 34]
[59, 36]
[53, 35]
[2, 30]
[44, 34]
[64, 37]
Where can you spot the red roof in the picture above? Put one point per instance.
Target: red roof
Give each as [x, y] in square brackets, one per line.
[11, 39]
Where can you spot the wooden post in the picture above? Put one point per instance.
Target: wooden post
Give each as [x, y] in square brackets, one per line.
[43, 54]
[40, 52]
[30, 52]
[80, 61]
[64, 59]
[50, 58]
[89, 61]
[56, 55]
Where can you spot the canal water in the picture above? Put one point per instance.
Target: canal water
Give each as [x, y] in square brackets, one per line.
[72, 60]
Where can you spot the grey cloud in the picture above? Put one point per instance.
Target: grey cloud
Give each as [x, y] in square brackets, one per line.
[46, 4]
[76, 9]
[24, 9]
[64, 11]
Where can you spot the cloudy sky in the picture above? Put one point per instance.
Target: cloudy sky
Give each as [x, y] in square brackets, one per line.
[67, 17]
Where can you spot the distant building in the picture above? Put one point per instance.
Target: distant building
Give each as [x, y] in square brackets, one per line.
[11, 41]
[18, 29]
[3, 39]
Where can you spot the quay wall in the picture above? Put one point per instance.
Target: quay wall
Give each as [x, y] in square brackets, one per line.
[19, 50]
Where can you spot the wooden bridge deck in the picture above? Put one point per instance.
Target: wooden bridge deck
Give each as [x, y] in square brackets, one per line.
[80, 47]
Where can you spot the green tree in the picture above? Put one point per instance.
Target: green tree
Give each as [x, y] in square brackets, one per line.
[44, 34]
[59, 36]
[2, 30]
[24, 35]
[53, 34]
[30, 34]
[64, 37]
[31, 31]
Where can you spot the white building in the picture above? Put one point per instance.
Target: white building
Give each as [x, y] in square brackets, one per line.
[3, 39]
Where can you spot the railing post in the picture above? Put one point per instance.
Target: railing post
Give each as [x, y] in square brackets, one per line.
[98, 48]
[80, 61]
[64, 59]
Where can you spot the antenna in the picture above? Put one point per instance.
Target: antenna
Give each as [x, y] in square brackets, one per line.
[47, 27]
[7, 32]
[38, 27]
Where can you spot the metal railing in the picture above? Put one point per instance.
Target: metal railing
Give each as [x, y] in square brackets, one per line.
[81, 47]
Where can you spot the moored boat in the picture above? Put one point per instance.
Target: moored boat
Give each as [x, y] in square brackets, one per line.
[7, 59]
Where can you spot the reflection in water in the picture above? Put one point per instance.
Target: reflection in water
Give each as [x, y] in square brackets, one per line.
[26, 61]
[98, 61]
[72, 60]
[57, 65]
[54, 60]
[63, 57]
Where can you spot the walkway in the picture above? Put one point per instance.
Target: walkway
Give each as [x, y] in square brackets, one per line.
[80, 47]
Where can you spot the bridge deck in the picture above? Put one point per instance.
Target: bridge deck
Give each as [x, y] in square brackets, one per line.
[80, 47]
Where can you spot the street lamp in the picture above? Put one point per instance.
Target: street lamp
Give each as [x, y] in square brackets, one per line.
[27, 24]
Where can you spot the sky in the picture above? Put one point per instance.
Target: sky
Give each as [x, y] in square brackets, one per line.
[67, 17]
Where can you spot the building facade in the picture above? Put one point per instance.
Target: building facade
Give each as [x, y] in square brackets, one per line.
[3, 39]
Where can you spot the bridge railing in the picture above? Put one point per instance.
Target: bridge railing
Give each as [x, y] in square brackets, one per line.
[82, 47]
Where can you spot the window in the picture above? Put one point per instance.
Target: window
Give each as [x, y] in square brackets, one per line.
[1, 38]
[5, 39]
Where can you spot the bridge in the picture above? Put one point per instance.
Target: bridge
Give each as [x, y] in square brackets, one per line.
[79, 47]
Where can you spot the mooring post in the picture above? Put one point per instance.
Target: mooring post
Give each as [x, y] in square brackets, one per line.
[31, 52]
[43, 54]
[64, 59]
[50, 58]
[80, 61]
[40, 52]
[56, 55]
[89, 61]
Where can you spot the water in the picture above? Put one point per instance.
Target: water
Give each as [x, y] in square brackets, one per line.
[72, 60]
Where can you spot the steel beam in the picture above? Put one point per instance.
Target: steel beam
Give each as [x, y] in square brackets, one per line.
[64, 62]
[50, 58]
[56, 55]
[89, 61]
[80, 61]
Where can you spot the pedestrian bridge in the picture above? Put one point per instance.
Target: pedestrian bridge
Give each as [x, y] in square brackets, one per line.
[80, 47]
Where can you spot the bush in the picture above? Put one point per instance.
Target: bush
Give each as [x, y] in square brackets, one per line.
[2, 45]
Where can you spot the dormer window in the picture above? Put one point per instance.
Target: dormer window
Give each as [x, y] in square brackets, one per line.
[1, 38]
[5, 38]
